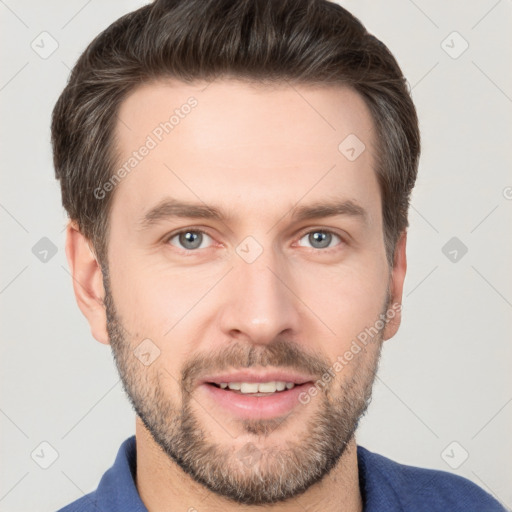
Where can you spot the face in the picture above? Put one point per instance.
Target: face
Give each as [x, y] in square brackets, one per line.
[246, 247]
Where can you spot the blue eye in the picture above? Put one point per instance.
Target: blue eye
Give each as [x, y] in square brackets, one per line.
[189, 239]
[320, 239]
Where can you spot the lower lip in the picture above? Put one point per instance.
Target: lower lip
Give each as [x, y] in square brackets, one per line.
[256, 407]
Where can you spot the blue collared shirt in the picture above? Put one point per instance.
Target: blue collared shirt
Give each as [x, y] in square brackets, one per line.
[386, 486]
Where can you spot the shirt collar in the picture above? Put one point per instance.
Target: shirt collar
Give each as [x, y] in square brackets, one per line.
[117, 491]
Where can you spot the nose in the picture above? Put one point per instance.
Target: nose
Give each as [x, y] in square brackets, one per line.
[260, 303]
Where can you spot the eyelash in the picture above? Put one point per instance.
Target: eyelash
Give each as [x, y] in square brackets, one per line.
[191, 252]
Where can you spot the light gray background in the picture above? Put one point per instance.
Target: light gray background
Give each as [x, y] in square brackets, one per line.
[444, 378]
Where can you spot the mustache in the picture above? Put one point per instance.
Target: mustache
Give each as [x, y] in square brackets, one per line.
[278, 354]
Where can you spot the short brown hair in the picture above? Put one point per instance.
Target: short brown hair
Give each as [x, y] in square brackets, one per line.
[308, 42]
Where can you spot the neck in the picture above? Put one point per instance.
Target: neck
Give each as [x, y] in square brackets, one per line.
[163, 485]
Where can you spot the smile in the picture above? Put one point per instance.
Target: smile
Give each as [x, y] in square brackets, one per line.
[250, 400]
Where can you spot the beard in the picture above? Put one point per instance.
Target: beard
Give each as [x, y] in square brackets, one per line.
[250, 475]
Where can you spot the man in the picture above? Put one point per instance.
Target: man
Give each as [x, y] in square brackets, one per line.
[237, 175]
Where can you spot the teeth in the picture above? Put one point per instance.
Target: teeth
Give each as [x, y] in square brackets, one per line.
[267, 387]
[257, 387]
[249, 387]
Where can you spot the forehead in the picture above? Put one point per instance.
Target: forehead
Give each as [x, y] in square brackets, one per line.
[244, 145]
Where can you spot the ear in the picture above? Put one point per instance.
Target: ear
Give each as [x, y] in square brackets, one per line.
[396, 286]
[87, 281]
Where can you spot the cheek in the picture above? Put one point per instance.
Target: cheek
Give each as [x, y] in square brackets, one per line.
[153, 309]
[347, 301]
[160, 302]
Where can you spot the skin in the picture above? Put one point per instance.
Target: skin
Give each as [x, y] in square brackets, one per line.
[256, 152]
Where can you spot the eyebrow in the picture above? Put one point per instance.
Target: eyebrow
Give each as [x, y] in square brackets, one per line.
[172, 208]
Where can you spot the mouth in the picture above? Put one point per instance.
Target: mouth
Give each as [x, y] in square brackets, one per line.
[252, 396]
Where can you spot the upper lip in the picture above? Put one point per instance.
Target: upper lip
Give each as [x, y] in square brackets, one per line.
[258, 376]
